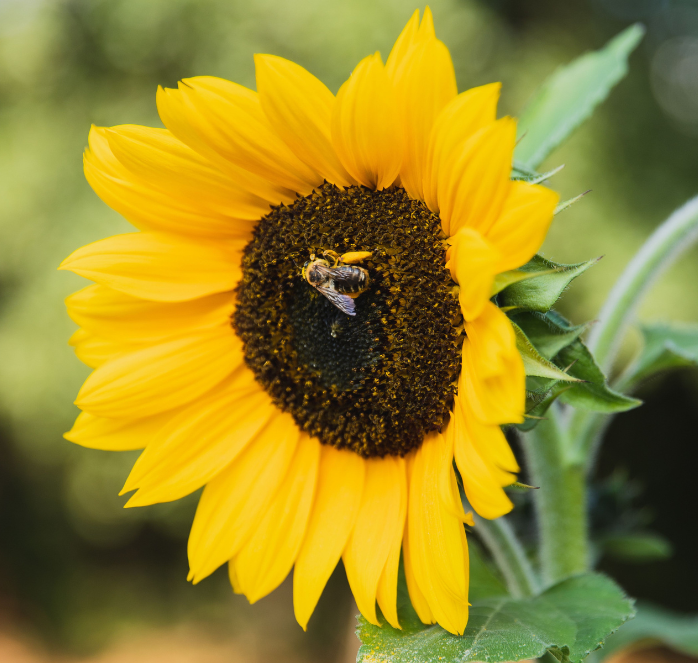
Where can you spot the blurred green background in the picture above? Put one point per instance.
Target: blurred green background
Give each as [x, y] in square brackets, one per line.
[80, 576]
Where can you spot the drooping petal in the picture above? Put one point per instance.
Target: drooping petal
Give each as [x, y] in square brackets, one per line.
[473, 263]
[379, 524]
[523, 223]
[469, 112]
[474, 181]
[182, 118]
[417, 598]
[121, 317]
[480, 477]
[229, 119]
[268, 555]
[163, 209]
[158, 267]
[387, 583]
[493, 376]
[115, 434]
[438, 550]
[200, 440]
[237, 497]
[299, 108]
[163, 376]
[425, 82]
[366, 128]
[335, 508]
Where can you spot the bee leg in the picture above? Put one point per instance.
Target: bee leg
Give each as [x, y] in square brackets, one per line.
[355, 256]
[333, 255]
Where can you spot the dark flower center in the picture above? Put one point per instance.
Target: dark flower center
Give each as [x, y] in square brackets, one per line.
[375, 382]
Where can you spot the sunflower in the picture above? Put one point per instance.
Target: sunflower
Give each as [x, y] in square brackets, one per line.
[316, 434]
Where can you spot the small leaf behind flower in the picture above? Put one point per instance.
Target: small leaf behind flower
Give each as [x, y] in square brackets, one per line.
[666, 346]
[543, 285]
[570, 95]
[535, 363]
[572, 617]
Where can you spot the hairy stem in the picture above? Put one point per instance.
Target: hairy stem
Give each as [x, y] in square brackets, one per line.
[659, 252]
[560, 501]
[509, 555]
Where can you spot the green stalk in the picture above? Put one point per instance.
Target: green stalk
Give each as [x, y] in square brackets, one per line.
[509, 555]
[560, 501]
[660, 251]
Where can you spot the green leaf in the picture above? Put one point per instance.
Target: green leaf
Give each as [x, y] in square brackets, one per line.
[594, 393]
[534, 363]
[537, 178]
[549, 332]
[666, 346]
[573, 617]
[655, 625]
[547, 280]
[569, 202]
[570, 95]
[636, 546]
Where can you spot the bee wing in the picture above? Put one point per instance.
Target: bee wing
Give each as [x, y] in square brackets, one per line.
[342, 302]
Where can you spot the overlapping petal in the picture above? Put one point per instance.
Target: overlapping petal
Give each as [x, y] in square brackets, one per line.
[155, 201]
[366, 127]
[229, 119]
[299, 108]
[492, 377]
[158, 266]
[115, 434]
[425, 82]
[335, 509]
[379, 524]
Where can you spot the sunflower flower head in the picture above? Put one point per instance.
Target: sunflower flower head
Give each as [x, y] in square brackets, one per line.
[304, 321]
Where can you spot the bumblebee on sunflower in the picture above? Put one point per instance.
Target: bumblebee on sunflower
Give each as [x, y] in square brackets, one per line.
[318, 434]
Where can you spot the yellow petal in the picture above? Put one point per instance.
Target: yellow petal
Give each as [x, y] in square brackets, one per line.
[469, 112]
[271, 549]
[417, 598]
[237, 497]
[407, 39]
[335, 507]
[425, 82]
[387, 584]
[379, 524]
[185, 121]
[115, 434]
[523, 223]
[117, 316]
[299, 108]
[473, 263]
[161, 377]
[159, 267]
[94, 350]
[163, 209]
[493, 376]
[438, 551]
[474, 180]
[200, 440]
[365, 126]
[229, 119]
[480, 482]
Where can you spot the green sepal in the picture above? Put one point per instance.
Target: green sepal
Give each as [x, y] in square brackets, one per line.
[666, 346]
[569, 202]
[534, 362]
[549, 332]
[538, 284]
[570, 95]
[573, 618]
[593, 393]
[636, 546]
[537, 178]
[538, 401]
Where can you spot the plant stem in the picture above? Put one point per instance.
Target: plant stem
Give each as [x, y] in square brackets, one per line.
[659, 252]
[509, 555]
[560, 501]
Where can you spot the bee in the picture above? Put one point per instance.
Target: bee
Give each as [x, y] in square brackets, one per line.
[341, 281]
